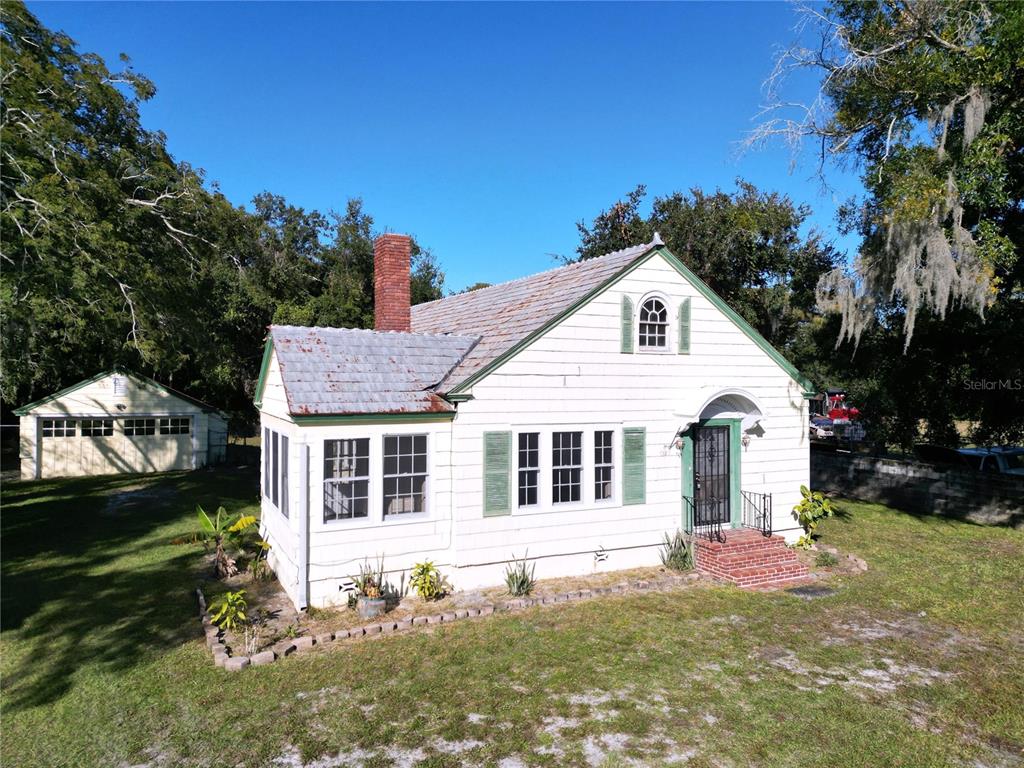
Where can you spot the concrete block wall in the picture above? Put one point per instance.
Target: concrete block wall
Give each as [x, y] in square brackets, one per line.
[920, 487]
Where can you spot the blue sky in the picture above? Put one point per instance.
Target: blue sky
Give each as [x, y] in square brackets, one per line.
[486, 130]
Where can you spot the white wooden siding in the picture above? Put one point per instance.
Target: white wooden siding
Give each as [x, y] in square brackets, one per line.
[573, 376]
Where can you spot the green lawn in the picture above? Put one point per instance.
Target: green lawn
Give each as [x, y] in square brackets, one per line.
[918, 662]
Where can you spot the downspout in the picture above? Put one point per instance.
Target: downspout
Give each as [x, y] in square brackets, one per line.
[303, 512]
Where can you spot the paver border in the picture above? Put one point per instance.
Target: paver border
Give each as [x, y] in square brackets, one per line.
[222, 656]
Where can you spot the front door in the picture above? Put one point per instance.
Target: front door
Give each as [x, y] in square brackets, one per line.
[711, 483]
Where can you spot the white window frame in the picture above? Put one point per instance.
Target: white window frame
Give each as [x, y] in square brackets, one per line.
[88, 427]
[67, 428]
[545, 505]
[399, 517]
[610, 465]
[324, 480]
[569, 467]
[519, 469]
[668, 324]
[134, 426]
[171, 425]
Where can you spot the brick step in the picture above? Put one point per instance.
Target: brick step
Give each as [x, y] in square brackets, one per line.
[736, 568]
[799, 581]
[738, 561]
[756, 571]
[717, 568]
[744, 545]
[755, 555]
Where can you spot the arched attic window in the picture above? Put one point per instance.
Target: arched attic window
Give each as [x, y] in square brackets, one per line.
[653, 324]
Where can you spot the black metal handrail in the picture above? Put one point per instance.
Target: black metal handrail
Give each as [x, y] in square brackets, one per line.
[705, 525]
[757, 512]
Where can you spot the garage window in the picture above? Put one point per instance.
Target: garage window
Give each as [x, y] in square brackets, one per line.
[97, 427]
[139, 427]
[59, 427]
[175, 426]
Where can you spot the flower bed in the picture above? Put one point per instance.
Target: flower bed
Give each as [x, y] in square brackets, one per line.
[344, 625]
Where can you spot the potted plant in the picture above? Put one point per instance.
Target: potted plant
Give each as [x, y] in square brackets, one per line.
[370, 600]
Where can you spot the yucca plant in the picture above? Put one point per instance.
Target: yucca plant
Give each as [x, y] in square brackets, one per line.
[220, 530]
[677, 552]
[519, 577]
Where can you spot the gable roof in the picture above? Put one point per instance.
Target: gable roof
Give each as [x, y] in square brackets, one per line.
[345, 371]
[145, 380]
[508, 316]
[504, 316]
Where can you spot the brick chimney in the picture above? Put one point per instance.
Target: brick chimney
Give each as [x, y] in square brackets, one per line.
[391, 255]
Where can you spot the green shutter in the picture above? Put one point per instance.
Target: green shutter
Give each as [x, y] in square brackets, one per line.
[627, 325]
[684, 327]
[634, 465]
[497, 463]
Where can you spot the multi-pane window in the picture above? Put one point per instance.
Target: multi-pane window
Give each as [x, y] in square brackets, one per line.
[405, 474]
[603, 465]
[566, 466]
[58, 427]
[266, 463]
[275, 469]
[139, 427]
[346, 479]
[653, 324]
[284, 475]
[97, 427]
[175, 425]
[274, 478]
[529, 468]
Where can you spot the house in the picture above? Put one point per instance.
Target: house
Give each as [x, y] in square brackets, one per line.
[118, 422]
[574, 416]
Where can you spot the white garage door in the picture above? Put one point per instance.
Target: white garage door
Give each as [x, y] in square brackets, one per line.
[106, 446]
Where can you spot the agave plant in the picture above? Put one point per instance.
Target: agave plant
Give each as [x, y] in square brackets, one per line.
[223, 529]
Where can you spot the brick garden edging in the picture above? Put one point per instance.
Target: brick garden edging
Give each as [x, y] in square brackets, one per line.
[223, 658]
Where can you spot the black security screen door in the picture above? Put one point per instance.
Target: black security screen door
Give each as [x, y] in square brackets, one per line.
[711, 476]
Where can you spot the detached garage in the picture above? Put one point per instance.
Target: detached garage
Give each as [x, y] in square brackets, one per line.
[118, 422]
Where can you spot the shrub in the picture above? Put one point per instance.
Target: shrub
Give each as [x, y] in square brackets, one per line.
[826, 560]
[428, 581]
[812, 509]
[230, 612]
[519, 577]
[677, 552]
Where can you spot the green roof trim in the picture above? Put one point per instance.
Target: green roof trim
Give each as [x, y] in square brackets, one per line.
[23, 411]
[736, 318]
[145, 380]
[261, 382]
[516, 348]
[372, 418]
[689, 276]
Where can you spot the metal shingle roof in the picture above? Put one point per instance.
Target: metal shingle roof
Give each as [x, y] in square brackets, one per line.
[505, 314]
[339, 371]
